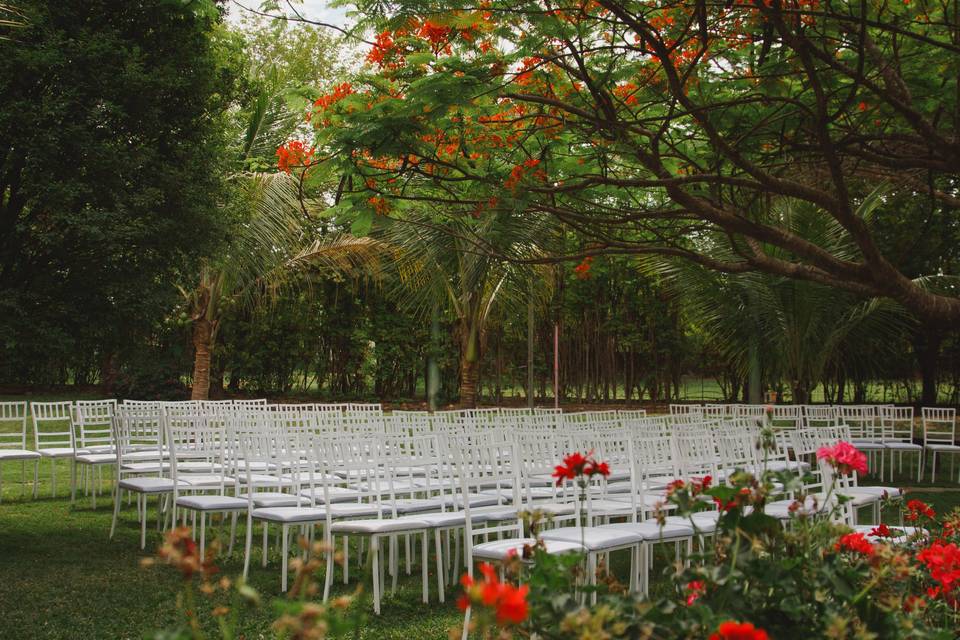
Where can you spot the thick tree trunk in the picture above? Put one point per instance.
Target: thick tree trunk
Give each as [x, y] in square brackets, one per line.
[469, 374]
[928, 355]
[203, 331]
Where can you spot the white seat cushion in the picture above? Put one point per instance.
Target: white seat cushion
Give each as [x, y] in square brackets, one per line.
[943, 447]
[378, 526]
[703, 522]
[275, 499]
[552, 508]
[595, 538]
[336, 494]
[18, 454]
[291, 514]
[652, 531]
[97, 458]
[499, 550]
[890, 492]
[148, 484]
[903, 446]
[416, 505]
[59, 452]
[212, 503]
[200, 480]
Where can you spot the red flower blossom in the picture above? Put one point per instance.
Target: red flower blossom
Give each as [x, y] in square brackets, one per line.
[731, 630]
[943, 563]
[855, 542]
[293, 154]
[881, 531]
[695, 589]
[582, 270]
[916, 508]
[844, 457]
[577, 464]
[509, 603]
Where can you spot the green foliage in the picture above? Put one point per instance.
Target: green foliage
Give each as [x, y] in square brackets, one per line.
[111, 140]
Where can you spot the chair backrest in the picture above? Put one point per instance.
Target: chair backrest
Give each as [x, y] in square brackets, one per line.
[819, 415]
[52, 424]
[481, 465]
[138, 430]
[939, 425]
[896, 423]
[95, 423]
[686, 409]
[13, 425]
[196, 445]
[787, 416]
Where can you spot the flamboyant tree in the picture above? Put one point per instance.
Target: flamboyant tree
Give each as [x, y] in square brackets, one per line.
[645, 126]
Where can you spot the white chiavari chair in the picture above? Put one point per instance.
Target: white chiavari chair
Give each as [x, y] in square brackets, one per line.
[13, 442]
[939, 435]
[53, 434]
[897, 426]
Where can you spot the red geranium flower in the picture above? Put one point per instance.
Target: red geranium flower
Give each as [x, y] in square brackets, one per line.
[854, 542]
[731, 630]
[576, 465]
[695, 589]
[881, 531]
[943, 563]
[916, 508]
[844, 457]
[509, 603]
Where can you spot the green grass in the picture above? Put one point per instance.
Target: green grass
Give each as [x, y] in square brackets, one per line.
[60, 576]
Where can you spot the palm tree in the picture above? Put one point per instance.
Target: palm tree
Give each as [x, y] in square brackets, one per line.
[265, 253]
[468, 267]
[793, 330]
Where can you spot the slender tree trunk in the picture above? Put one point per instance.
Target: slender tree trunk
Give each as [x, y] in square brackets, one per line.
[469, 367]
[203, 331]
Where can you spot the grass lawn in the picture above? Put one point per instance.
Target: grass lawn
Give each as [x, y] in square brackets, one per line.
[60, 577]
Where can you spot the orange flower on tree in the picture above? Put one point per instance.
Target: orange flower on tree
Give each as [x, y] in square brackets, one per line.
[507, 602]
[292, 155]
[582, 270]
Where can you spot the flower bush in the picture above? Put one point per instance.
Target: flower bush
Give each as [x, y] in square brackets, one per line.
[757, 579]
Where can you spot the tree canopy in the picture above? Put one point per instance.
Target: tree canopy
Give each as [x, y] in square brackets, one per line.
[647, 127]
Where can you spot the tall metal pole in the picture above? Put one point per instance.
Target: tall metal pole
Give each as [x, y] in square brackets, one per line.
[433, 369]
[530, 398]
[556, 365]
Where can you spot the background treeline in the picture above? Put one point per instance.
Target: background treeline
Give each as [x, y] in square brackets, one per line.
[129, 133]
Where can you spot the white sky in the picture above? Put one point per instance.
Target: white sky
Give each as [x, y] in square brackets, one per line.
[310, 9]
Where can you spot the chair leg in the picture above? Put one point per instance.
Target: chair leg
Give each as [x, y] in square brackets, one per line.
[375, 553]
[247, 545]
[233, 532]
[143, 521]
[116, 511]
[328, 577]
[346, 559]
[263, 558]
[439, 552]
[203, 530]
[53, 477]
[284, 550]
[36, 478]
[424, 577]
